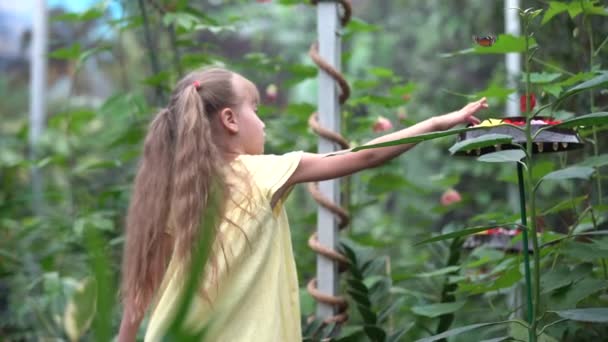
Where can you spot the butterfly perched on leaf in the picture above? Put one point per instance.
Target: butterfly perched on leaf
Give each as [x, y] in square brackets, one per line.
[485, 41]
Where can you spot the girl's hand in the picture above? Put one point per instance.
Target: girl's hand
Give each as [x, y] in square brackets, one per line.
[464, 115]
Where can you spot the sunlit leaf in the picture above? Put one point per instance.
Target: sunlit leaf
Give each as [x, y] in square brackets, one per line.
[555, 8]
[70, 52]
[541, 77]
[80, 309]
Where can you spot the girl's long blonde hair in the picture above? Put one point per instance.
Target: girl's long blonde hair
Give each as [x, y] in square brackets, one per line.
[172, 187]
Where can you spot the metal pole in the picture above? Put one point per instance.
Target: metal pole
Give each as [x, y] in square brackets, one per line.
[38, 68]
[328, 27]
[524, 221]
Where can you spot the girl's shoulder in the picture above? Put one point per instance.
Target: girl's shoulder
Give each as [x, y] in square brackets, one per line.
[269, 171]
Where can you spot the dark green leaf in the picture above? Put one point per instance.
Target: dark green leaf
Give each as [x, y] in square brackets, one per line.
[360, 298]
[503, 156]
[439, 272]
[595, 161]
[568, 204]
[594, 315]
[481, 141]
[396, 336]
[458, 331]
[386, 312]
[597, 82]
[375, 333]
[369, 317]
[358, 286]
[498, 339]
[563, 276]
[570, 296]
[436, 310]
[573, 172]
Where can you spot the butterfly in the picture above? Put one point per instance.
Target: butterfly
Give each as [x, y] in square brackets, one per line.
[485, 41]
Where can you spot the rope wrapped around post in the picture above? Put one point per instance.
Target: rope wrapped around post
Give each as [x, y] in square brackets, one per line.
[337, 301]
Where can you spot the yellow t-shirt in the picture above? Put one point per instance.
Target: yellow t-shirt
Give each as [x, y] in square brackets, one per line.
[255, 295]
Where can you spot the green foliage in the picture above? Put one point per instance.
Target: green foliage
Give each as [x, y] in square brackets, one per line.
[59, 266]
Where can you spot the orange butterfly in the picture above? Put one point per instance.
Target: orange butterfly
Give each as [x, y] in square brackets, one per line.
[485, 41]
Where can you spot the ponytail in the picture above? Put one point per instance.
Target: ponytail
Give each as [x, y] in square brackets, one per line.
[148, 217]
[198, 167]
[181, 169]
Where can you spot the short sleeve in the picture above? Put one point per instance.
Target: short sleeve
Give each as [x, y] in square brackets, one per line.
[270, 172]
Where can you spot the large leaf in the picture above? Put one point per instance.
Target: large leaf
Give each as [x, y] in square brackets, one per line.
[567, 204]
[578, 172]
[505, 43]
[436, 310]
[503, 156]
[570, 296]
[455, 234]
[555, 8]
[481, 141]
[594, 315]
[593, 119]
[417, 138]
[597, 82]
[542, 77]
[595, 161]
[460, 330]
[563, 276]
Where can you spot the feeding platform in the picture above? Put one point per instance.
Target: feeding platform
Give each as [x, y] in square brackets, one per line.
[551, 139]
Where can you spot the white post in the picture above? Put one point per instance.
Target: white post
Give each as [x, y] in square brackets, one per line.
[513, 67]
[328, 27]
[512, 60]
[38, 67]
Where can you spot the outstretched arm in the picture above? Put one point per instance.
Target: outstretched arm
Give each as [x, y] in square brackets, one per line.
[317, 167]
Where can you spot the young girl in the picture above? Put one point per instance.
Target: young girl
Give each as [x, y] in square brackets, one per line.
[210, 139]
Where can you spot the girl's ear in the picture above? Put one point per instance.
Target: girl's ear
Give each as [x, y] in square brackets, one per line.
[229, 120]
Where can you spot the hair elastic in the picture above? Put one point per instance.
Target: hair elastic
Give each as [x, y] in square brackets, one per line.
[196, 85]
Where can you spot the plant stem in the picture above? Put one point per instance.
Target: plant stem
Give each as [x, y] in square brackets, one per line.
[589, 30]
[525, 244]
[530, 189]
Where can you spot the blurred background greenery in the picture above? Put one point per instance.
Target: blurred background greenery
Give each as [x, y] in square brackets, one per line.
[105, 81]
